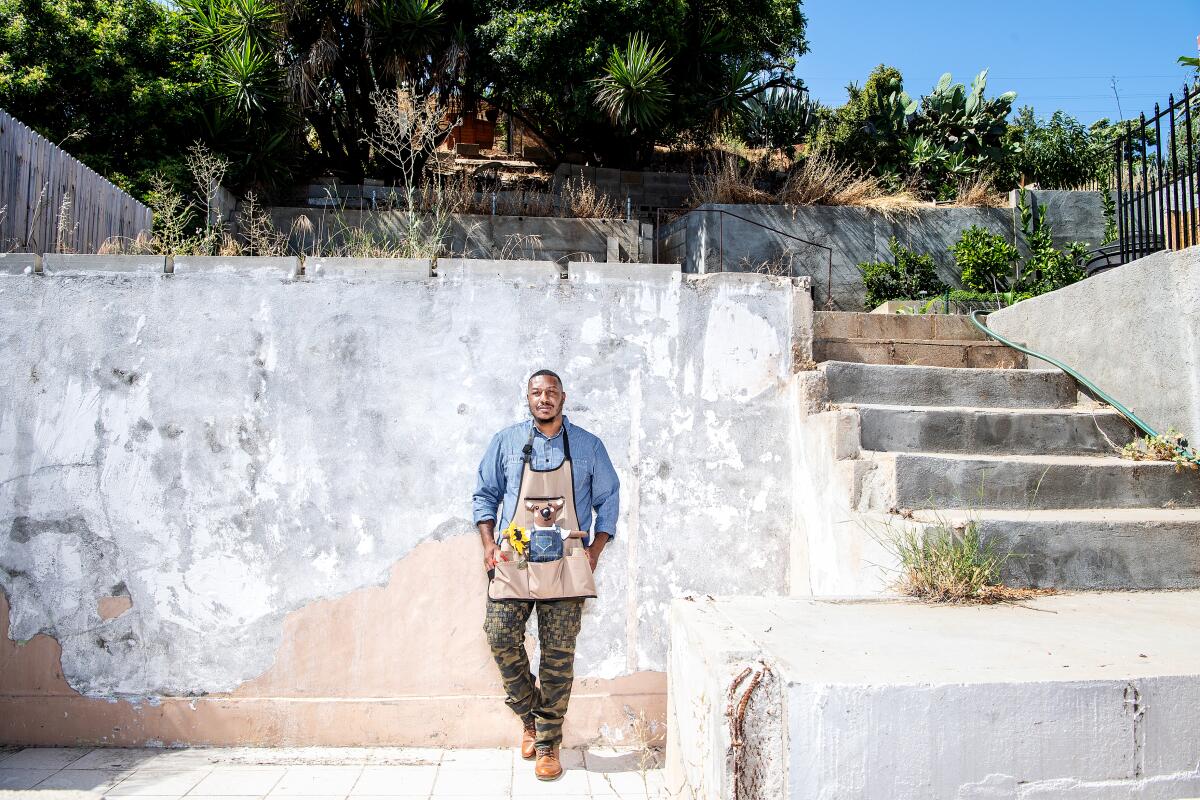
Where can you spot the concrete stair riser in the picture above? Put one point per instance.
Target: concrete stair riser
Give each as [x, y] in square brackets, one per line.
[934, 480]
[992, 431]
[937, 386]
[860, 325]
[1078, 555]
[976, 355]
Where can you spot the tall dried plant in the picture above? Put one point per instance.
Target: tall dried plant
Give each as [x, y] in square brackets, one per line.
[64, 229]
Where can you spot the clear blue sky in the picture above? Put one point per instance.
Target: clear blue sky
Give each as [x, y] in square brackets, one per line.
[1053, 53]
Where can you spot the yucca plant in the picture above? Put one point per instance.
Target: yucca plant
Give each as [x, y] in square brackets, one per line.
[633, 89]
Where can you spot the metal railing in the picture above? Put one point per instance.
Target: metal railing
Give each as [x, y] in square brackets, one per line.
[681, 214]
[1156, 179]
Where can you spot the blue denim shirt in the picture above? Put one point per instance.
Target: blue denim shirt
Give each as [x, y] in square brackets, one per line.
[594, 479]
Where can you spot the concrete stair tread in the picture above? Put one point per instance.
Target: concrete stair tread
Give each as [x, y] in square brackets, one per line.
[954, 516]
[907, 326]
[930, 342]
[1048, 460]
[1077, 410]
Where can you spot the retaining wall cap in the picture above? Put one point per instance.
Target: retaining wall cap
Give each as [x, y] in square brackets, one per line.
[613, 271]
[389, 268]
[19, 263]
[538, 271]
[744, 278]
[77, 263]
[288, 265]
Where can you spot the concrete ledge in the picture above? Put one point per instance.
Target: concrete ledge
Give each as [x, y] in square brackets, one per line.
[20, 263]
[389, 268]
[80, 264]
[283, 266]
[611, 271]
[463, 269]
[740, 278]
[898, 700]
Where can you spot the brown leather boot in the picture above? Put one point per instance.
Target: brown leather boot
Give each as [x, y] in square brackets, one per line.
[528, 739]
[547, 767]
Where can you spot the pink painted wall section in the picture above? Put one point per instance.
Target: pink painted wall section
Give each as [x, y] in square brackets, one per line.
[401, 664]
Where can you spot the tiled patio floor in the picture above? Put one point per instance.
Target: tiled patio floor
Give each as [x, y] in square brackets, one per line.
[326, 774]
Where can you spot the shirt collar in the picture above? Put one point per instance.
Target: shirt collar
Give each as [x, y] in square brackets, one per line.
[538, 434]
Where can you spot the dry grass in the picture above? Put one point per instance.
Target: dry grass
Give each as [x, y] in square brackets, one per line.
[823, 180]
[726, 181]
[979, 192]
[580, 199]
[951, 564]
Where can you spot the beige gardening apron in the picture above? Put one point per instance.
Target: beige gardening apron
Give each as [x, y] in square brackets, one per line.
[570, 576]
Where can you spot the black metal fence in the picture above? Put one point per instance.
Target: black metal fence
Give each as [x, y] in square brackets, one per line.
[1156, 180]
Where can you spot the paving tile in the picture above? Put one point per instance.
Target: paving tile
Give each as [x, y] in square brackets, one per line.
[83, 780]
[158, 782]
[625, 784]
[463, 782]
[573, 782]
[125, 758]
[481, 758]
[194, 796]
[571, 759]
[45, 757]
[7, 750]
[310, 780]
[395, 781]
[23, 778]
[405, 756]
[232, 781]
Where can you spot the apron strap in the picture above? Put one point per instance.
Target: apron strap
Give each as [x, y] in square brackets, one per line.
[527, 450]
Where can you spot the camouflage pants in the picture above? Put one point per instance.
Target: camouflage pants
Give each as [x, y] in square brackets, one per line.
[542, 706]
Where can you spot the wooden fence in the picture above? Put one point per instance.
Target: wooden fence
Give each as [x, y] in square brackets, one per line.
[51, 202]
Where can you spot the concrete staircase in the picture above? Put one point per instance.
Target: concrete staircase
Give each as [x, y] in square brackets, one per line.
[912, 423]
[1017, 452]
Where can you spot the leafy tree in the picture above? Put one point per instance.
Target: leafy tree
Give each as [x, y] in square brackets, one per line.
[546, 63]
[306, 76]
[984, 260]
[117, 83]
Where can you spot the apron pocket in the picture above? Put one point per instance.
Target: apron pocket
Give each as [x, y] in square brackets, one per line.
[578, 580]
[545, 580]
[510, 582]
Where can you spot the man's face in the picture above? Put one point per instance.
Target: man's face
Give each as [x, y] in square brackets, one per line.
[545, 398]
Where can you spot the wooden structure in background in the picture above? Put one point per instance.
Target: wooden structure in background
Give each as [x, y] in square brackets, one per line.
[36, 176]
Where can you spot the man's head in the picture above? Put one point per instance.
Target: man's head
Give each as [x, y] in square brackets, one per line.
[546, 396]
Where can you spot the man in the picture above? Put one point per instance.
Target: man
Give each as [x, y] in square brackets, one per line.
[545, 444]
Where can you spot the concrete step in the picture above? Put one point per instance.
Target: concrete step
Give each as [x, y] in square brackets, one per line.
[946, 480]
[1090, 695]
[860, 325]
[930, 353]
[888, 384]
[1133, 548]
[993, 431]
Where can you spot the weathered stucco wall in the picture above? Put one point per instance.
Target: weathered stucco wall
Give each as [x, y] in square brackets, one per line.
[749, 238]
[1133, 330]
[235, 506]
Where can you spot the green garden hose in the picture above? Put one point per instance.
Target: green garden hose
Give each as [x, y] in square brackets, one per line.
[1180, 446]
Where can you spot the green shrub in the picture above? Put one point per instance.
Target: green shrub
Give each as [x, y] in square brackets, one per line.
[910, 276]
[984, 259]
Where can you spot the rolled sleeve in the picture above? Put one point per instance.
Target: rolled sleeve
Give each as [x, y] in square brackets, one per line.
[606, 492]
[489, 483]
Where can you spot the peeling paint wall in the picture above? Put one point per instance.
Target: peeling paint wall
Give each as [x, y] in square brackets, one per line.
[191, 464]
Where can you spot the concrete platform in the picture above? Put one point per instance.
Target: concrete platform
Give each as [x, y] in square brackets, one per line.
[1071, 696]
[864, 325]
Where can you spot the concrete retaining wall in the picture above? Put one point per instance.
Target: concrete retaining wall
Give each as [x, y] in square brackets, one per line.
[559, 239]
[1134, 331]
[235, 505]
[748, 238]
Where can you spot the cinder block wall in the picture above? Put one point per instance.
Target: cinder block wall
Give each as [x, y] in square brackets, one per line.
[235, 504]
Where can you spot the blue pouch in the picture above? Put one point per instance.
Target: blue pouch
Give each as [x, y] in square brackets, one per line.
[545, 544]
